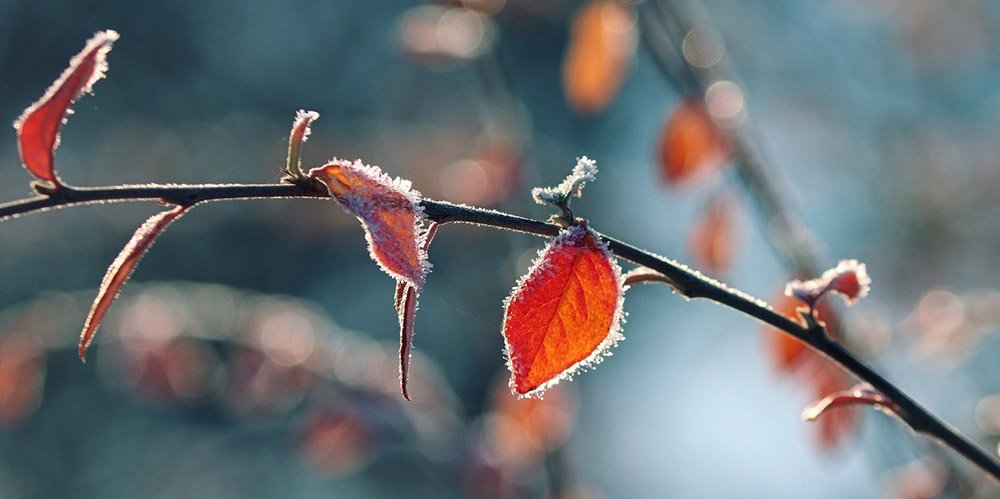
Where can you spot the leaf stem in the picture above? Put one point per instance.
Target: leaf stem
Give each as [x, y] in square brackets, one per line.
[686, 281]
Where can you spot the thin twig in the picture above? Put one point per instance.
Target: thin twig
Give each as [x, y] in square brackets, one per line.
[686, 281]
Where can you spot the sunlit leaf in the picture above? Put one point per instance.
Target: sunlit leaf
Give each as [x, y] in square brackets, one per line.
[584, 171]
[849, 279]
[690, 144]
[712, 238]
[405, 302]
[602, 41]
[299, 134]
[39, 125]
[787, 352]
[120, 270]
[565, 314]
[389, 211]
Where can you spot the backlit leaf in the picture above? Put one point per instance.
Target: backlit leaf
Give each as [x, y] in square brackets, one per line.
[565, 314]
[39, 125]
[602, 40]
[405, 301]
[299, 134]
[389, 211]
[849, 279]
[120, 270]
[690, 144]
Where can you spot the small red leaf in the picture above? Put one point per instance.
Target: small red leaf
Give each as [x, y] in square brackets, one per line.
[713, 237]
[406, 309]
[787, 352]
[39, 125]
[849, 279]
[389, 211]
[690, 144]
[565, 314]
[120, 270]
[836, 425]
[602, 40]
[298, 135]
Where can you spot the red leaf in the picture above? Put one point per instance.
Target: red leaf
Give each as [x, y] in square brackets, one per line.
[298, 135]
[406, 309]
[837, 425]
[690, 144]
[389, 211]
[849, 279]
[39, 125]
[565, 314]
[601, 43]
[713, 237]
[121, 269]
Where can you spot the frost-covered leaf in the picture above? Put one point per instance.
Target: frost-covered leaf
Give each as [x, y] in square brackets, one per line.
[602, 41]
[690, 144]
[849, 279]
[390, 212]
[299, 134]
[120, 270]
[565, 314]
[584, 171]
[405, 301]
[39, 125]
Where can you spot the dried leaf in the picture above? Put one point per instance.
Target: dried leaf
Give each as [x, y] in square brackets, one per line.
[299, 134]
[390, 212]
[39, 125]
[712, 239]
[690, 144]
[602, 41]
[120, 270]
[564, 314]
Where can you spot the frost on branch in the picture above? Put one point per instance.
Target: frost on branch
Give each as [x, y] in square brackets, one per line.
[849, 279]
[565, 314]
[390, 212]
[584, 171]
[39, 125]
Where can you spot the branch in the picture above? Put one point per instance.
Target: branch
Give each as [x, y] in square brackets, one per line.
[686, 281]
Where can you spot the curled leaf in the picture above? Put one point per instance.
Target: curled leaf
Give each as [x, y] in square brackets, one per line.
[565, 314]
[299, 134]
[390, 212]
[690, 144]
[584, 171]
[859, 394]
[849, 279]
[39, 125]
[120, 270]
[602, 41]
[406, 309]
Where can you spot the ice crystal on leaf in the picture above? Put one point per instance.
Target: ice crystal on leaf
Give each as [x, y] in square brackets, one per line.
[564, 314]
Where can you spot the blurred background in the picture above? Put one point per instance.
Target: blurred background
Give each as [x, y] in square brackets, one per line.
[253, 353]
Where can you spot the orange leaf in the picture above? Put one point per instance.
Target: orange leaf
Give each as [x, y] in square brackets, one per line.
[713, 236]
[601, 43]
[121, 269]
[690, 144]
[39, 125]
[565, 314]
[389, 211]
[786, 351]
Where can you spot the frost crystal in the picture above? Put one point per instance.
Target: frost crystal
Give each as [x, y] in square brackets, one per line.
[849, 279]
[584, 171]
